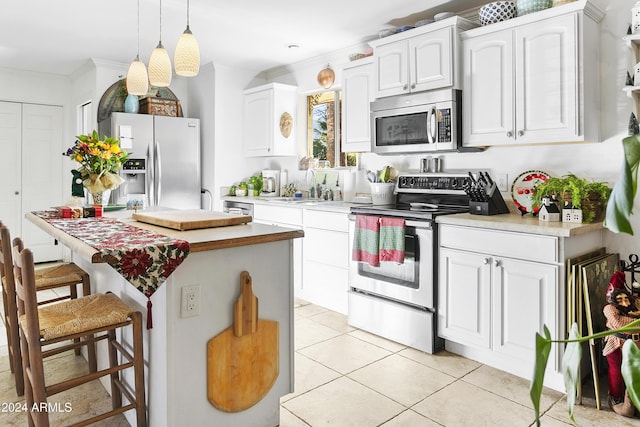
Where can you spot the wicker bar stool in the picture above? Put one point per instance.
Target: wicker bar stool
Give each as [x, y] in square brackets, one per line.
[59, 276]
[93, 318]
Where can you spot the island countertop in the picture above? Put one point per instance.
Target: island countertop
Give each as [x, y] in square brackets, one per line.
[199, 240]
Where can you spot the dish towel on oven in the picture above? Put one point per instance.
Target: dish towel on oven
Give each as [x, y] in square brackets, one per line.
[392, 240]
[366, 240]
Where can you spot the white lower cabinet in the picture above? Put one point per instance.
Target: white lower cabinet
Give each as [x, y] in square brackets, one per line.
[283, 216]
[326, 259]
[496, 290]
[321, 258]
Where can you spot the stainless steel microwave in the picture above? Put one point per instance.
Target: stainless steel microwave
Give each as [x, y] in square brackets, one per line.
[417, 123]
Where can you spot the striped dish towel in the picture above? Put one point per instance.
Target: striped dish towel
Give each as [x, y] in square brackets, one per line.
[366, 240]
[392, 240]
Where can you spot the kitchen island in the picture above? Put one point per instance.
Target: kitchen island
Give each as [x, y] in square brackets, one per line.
[176, 347]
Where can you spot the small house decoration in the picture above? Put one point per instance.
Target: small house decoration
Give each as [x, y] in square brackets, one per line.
[571, 214]
[549, 211]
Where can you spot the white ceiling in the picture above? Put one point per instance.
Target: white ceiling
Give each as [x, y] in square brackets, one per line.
[59, 36]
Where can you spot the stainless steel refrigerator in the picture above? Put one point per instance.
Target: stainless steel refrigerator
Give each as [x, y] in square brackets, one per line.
[164, 162]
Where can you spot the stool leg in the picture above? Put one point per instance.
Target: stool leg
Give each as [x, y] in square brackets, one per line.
[73, 294]
[91, 348]
[138, 368]
[116, 394]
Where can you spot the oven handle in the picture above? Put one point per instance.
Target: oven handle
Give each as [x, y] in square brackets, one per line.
[426, 225]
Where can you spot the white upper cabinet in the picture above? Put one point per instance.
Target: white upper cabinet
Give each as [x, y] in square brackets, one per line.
[417, 60]
[357, 93]
[532, 81]
[269, 120]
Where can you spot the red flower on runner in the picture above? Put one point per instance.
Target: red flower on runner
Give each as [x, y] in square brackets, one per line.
[182, 245]
[135, 263]
[170, 265]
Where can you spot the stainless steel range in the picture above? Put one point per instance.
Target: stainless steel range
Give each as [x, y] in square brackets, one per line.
[398, 300]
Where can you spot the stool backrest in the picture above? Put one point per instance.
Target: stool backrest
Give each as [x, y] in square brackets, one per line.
[6, 274]
[25, 285]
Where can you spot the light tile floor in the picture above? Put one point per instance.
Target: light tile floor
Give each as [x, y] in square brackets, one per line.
[347, 377]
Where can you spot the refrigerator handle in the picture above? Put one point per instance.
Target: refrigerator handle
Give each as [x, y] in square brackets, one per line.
[158, 177]
[150, 175]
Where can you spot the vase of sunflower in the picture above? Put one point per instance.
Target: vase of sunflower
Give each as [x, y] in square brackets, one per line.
[100, 160]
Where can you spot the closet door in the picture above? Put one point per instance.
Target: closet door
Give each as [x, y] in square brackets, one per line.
[42, 173]
[10, 171]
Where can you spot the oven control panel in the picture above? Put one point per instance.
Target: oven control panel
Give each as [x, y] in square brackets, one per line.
[426, 182]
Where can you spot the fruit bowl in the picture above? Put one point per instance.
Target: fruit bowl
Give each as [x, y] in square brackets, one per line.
[497, 11]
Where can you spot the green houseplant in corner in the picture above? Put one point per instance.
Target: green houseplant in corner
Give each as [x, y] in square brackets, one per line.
[589, 196]
[619, 210]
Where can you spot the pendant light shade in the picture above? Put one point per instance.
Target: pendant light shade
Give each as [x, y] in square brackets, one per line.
[137, 78]
[159, 63]
[159, 67]
[186, 58]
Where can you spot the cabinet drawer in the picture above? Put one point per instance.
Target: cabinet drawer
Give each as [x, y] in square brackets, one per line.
[277, 214]
[327, 247]
[326, 220]
[503, 243]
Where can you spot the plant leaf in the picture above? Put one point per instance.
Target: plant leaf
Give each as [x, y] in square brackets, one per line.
[631, 370]
[570, 367]
[543, 349]
[620, 205]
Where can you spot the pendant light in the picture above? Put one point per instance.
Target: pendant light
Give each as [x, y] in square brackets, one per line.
[159, 63]
[186, 58]
[137, 78]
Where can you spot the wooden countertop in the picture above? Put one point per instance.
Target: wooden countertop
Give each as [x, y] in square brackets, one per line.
[205, 239]
[517, 223]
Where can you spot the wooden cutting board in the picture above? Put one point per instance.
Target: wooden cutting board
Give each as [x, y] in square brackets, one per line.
[190, 219]
[243, 360]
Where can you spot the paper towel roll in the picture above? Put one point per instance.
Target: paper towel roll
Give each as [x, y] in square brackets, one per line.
[349, 185]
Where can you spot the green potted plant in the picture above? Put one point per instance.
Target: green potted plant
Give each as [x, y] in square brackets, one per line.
[589, 196]
[619, 209]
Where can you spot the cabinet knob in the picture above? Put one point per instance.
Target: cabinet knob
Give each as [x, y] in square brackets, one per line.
[486, 261]
[509, 134]
[496, 262]
[405, 87]
[413, 86]
[16, 192]
[520, 133]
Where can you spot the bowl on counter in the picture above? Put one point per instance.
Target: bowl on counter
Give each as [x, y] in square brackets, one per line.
[497, 11]
[525, 7]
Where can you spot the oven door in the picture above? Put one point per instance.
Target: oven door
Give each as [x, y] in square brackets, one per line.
[409, 283]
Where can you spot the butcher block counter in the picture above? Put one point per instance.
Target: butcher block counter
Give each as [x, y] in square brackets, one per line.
[176, 343]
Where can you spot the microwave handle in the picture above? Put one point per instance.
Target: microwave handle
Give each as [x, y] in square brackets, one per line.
[432, 125]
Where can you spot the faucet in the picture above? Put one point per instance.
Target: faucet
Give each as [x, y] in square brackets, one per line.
[312, 184]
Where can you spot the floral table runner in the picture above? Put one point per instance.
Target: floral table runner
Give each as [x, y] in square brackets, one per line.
[144, 258]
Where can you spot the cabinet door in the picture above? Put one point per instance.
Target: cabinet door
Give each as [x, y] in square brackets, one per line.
[524, 299]
[464, 305]
[392, 76]
[431, 60]
[357, 91]
[258, 123]
[547, 84]
[488, 95]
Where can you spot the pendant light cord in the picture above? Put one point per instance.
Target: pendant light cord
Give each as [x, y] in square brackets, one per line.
[138, 48]
[160, 22]
[187, 14]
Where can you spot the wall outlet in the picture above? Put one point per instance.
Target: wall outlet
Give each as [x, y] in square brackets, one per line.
[502, 182]
[190, 301]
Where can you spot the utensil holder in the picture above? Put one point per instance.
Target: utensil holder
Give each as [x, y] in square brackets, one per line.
[382, 193]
